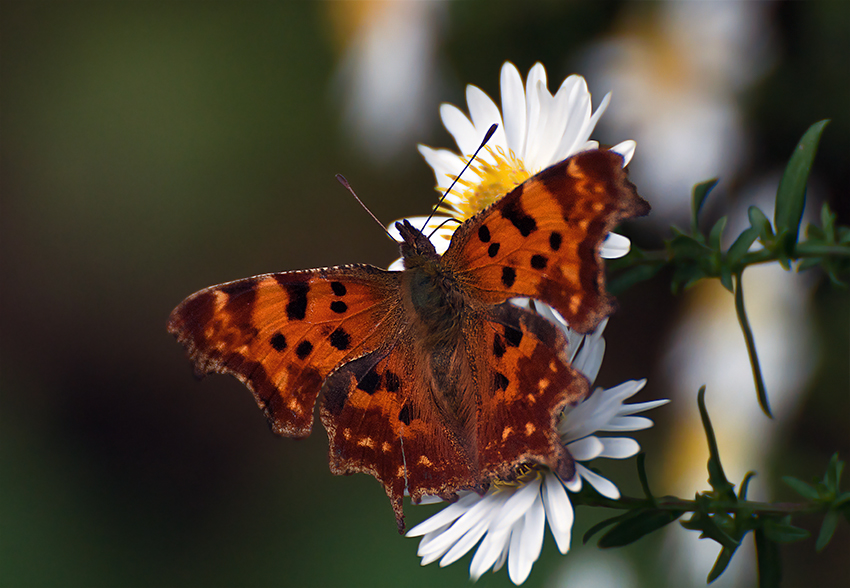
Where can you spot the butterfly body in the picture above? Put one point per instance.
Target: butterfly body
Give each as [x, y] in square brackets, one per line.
[431, 381]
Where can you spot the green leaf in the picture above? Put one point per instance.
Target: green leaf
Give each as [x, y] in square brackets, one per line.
[830, 522]
[685, 247]
[741, 246]
[633, 528]
[769, 561]
[716, 476]
[801, 488]
[782, 531]
[791, 195]
[716, 234]
[700, 193]
[606, 523]
[833, 473]
[726, 278]
[759, 222]
[720, 564]
[745, 485]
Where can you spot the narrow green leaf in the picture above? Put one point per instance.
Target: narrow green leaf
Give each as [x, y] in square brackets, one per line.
[791, 195]
[759, 222]
[726, 278]
[745, 485]
[741, 246]
[632, 529]
[830, 522]
[716, 476]
[833, 473]
[700, 193]
[782, 531]
[841, 500]
[716, 235]
[686, 247]
[801, 488]
[720, 564]
[769, 561]
[606, 523]
[749, 339]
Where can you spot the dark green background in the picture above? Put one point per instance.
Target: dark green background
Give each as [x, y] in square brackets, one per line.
[150, 149]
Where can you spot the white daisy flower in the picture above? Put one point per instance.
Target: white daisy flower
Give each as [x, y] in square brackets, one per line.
[509, 519]
[536, 130]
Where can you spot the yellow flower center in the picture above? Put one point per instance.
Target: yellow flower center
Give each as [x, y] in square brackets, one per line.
[525, 473]
[495, 180]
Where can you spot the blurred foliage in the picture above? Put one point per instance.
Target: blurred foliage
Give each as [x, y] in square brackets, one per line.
[148, 149]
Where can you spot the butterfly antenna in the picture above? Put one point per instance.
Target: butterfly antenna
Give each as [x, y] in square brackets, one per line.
[341, 179]
[487, 136]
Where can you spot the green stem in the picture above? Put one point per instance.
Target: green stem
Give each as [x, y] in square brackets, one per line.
[679, 504]
[761, 391]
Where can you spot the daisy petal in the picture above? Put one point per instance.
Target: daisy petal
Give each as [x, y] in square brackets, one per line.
[513, 107]
[615, 246]
[602, 485]
[445, 516]
[559, 511]
[460, 127]
[586, 449]
[518, 504]
[626, 149]
[485, 113]
[465, 543]
[619, 447]
[530, 542]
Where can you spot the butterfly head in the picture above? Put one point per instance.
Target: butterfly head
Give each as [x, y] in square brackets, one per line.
[416, 248]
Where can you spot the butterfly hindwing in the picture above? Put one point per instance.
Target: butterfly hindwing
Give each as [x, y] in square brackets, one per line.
[526, 381]
[381, 420]
[282, 334]
[541, 240]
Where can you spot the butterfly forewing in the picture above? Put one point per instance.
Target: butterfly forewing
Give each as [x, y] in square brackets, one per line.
[542, 239]
[282, 334]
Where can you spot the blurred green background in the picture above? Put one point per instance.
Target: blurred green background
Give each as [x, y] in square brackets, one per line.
[150, 149]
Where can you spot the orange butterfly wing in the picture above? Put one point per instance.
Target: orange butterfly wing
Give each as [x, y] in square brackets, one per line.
[282, 334]
[541, 240]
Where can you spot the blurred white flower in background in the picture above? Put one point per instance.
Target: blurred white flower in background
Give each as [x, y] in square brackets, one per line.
[682, 68]
[386, 75]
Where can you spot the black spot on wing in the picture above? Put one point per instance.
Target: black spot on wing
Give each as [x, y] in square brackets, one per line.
[391, 381]
[513, 336]
[498, 346]
[340, 339]
[539, 262]
[278, 342]
[370, 381]
[338, 306]
[304, 349]
[513, 212]
[555, 240]
[501, 381]
[296, 308]
[508, 276]
[483, 233]
[338, 288]
[493, 249]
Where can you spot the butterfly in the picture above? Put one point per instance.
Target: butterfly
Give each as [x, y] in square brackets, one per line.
[431, 380]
